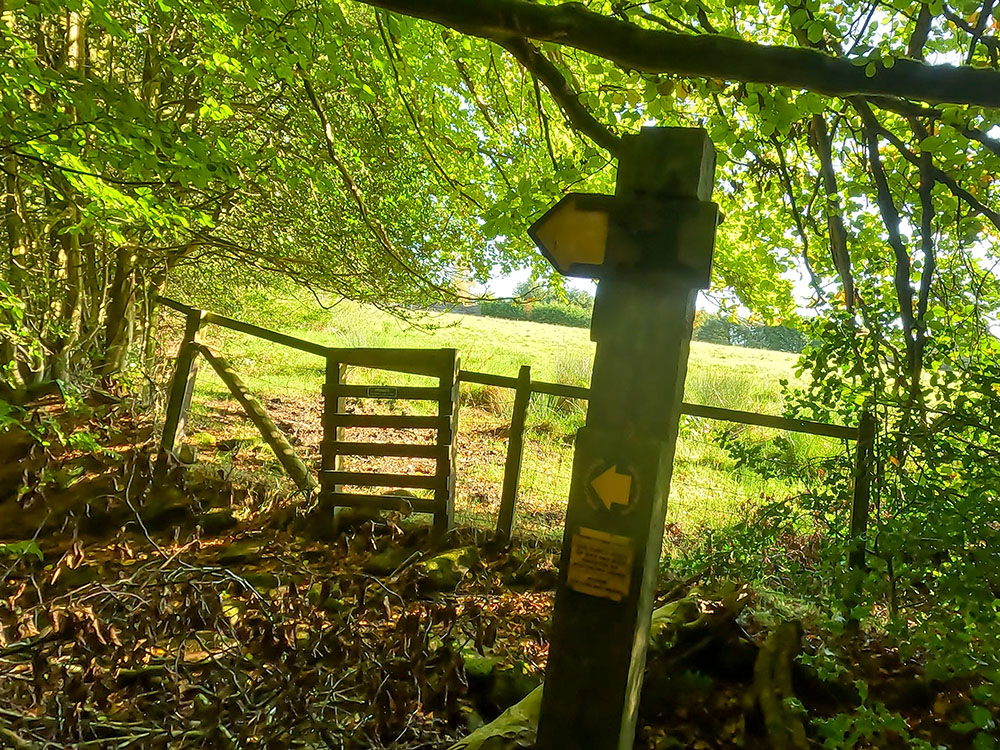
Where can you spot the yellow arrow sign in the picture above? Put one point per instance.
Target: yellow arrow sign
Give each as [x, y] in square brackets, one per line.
[613, 488]
[573, 234]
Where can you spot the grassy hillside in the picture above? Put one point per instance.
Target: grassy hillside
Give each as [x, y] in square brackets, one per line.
[708, 488]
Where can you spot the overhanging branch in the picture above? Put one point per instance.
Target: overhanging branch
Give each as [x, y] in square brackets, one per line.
[579, 116]
[703, 55]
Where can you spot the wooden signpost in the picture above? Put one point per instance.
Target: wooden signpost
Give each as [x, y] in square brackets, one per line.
[650, 246]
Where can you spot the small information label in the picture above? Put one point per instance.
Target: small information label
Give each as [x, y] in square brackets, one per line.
[600, 564]
[381, 391]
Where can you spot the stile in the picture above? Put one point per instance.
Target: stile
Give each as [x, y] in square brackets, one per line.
[438, 363]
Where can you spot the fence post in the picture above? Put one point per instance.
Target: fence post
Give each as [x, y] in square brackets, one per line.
[181, 384]
[515, 449]
[862, 491]
[330, 458]
[444, 519]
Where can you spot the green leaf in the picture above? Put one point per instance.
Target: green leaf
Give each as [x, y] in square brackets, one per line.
[21, 549]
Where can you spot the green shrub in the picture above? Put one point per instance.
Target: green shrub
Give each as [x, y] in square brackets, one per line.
[502, 309]
[555, 313]
[560, 314]
[718, 329]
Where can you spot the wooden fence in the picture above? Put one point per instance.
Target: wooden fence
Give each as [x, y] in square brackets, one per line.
[443, 364]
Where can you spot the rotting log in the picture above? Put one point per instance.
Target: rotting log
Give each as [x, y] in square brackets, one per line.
[518, 725]
[772, 688]
[275, 439]
[514, 728]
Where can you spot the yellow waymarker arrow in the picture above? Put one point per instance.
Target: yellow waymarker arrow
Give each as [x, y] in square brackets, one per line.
[573, 234]
[613, 488]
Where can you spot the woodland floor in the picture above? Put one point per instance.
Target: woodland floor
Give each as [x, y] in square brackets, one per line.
[178, 609]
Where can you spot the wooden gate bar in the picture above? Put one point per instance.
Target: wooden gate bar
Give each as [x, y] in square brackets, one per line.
[379, 479]
[390, 421]
[428, 362]
[403, 503]
[406, 392]
[404, 450]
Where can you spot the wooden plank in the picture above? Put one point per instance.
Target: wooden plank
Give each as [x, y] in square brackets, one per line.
[284, 339]
[174, 305]
[390, 421]
[767, 420]
[483, 378]
[278, 443]
[375, 479]
[406, 450]
[694, 410]
[402, 503]
[428, 362]
[559, 389]
[181, 383]
[403, 392]
[250, 329]
[271, 434]
[515, 449]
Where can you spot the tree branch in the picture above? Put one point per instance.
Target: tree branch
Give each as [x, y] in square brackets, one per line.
[786, 180]
[977, 34]
[354, 191]
[823, 147]
[703, 55]
[579, 116]
[941, 176]
[891, 220]
[921, 29]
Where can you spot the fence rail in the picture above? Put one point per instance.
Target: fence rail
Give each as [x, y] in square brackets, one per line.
[429, 362]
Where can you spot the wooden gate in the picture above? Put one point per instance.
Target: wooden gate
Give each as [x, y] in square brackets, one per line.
[441, 364]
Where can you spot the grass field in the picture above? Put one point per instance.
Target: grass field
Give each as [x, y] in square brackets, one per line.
[708, 489]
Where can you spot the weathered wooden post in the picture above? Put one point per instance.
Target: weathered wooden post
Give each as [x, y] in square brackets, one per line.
[444, 519]
[515, 450]
[862, 491]
[651, 248]
[181, 383]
